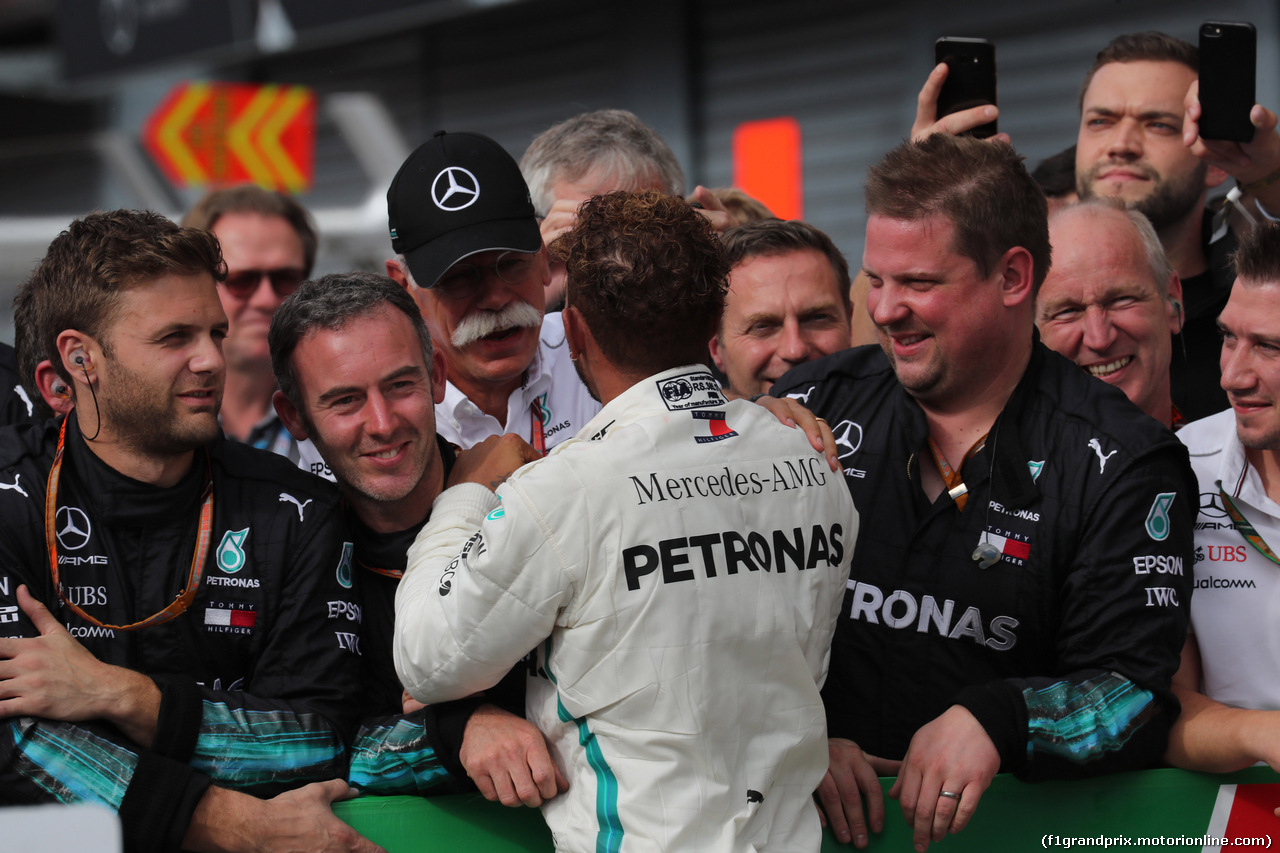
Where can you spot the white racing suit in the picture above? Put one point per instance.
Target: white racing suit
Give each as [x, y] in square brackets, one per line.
[677, 569]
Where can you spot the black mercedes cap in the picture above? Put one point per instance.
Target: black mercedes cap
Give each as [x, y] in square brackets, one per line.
[458, 194]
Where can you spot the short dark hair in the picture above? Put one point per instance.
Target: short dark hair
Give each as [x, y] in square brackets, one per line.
[1148, 46]
[648, 274]
[251, 198]
[28, 318]
[616, 141]
[77, 284]
[1056, 175]
[331, 302]
[772, 237]
[1258, 257]
[982, 188]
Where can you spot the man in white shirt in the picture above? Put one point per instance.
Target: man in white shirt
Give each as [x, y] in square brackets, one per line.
[1227, 683]
[471, 256]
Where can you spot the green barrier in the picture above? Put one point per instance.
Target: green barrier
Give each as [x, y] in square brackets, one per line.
[1154, 809]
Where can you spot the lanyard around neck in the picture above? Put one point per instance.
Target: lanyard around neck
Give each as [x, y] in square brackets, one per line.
[196, 573]
[537, 432]
[1247, 530]
[951, 476]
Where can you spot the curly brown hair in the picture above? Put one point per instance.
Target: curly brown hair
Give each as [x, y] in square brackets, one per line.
[648, 274]
[78, 282]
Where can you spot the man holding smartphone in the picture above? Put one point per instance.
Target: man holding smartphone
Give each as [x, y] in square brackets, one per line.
[1139, 142]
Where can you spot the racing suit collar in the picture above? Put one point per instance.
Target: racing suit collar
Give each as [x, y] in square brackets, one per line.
[689, 386]
[117, 499]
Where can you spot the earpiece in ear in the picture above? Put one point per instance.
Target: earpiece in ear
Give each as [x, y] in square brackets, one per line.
[78, 357]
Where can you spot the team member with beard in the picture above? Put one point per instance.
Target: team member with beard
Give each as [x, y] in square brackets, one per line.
[1139, 143]
[471, 256]
[167, 598]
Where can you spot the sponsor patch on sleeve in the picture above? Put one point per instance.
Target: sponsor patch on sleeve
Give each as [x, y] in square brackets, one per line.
[1158, 518]
[690, 391]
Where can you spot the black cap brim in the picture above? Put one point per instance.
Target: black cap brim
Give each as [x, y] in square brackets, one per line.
[430, 261]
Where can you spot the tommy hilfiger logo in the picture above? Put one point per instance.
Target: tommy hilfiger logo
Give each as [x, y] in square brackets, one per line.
[716, 428]
[224, 618]
[1013, 548]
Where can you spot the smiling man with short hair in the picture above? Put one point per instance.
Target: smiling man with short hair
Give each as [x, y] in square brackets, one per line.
[1006, 499]
[1227, 684]
[788, 303]
[1112, 303]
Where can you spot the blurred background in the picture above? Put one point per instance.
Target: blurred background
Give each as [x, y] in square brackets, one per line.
[147, 103]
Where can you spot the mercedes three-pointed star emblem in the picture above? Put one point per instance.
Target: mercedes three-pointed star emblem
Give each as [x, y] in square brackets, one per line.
[455, 188]
[72, 525]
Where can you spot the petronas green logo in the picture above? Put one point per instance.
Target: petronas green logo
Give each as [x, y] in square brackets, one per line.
[231, 557]
[1158, 518]
[344, 566]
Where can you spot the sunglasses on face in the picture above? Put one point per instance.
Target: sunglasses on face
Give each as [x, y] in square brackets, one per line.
[284, 281]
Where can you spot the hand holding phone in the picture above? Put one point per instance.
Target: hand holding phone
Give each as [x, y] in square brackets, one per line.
[1228, 56]
[971, 78]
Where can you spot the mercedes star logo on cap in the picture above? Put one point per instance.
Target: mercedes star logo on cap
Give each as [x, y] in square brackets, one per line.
[455, 188]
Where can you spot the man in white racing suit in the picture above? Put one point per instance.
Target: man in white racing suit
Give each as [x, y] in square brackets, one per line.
[677, 566]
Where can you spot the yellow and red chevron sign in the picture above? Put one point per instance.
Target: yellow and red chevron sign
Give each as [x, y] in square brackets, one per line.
[213, 134]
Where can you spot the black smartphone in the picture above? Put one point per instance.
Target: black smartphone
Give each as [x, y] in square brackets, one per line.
[1228, 56]
[971, 78]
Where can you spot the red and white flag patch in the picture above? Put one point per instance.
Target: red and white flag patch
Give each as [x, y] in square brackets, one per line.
[713, 427]
[1016, 549]
[231, 617]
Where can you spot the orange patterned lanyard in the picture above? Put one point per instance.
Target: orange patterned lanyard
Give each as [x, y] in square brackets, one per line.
[184, 599]
[951, 476]
[537, 432]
